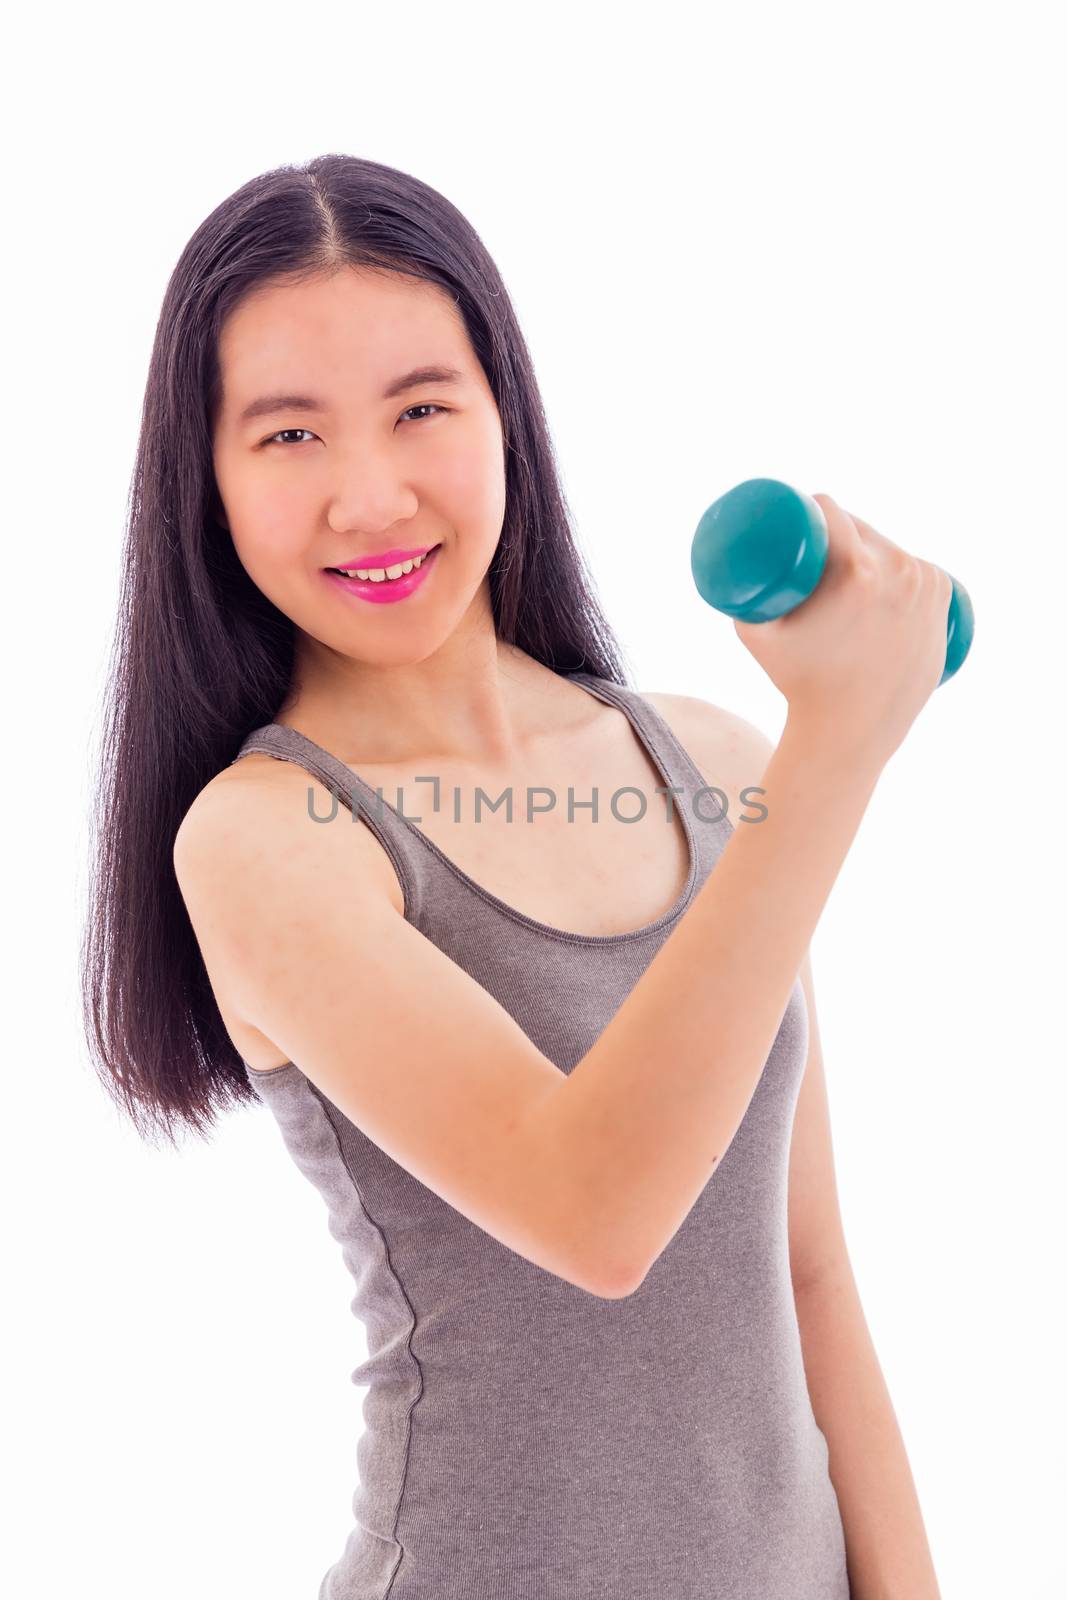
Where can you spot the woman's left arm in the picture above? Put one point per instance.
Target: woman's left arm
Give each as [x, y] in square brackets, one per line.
[885, 1539]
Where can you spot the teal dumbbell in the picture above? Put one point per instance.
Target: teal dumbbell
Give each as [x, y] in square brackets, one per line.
[760, 550]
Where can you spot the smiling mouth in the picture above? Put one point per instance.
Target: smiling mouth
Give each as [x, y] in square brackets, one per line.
[382, 574]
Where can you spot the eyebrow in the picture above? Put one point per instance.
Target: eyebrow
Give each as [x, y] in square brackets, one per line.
[270, 404]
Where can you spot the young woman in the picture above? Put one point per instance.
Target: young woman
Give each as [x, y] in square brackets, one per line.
[403, 856]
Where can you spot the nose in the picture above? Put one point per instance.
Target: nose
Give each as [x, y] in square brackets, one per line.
[368, 496]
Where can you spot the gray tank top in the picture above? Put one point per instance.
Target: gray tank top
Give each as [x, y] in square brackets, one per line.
[524, 1439]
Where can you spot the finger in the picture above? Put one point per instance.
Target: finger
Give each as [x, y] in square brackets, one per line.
[871, 536]
[846, 544]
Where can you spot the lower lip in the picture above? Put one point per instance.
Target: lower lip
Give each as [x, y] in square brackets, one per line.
[388, 589]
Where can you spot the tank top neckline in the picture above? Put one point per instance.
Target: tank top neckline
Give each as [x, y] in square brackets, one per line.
[639, 714]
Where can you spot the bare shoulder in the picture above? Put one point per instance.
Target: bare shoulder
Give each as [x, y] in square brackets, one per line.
[246, 791]
[246, 820]
[263, 802]
[730, 752]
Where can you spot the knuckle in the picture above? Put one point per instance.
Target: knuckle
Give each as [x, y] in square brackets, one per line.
[932, 577]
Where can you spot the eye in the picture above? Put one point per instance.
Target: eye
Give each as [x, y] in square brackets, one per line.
[283, 431]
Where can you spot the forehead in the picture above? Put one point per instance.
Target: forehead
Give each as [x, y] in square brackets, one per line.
[287, 334]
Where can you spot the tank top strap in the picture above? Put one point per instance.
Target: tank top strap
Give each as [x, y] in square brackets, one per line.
[658, 735]
[392, 830]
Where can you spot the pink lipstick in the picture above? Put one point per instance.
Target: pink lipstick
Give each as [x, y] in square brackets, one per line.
[386, 590]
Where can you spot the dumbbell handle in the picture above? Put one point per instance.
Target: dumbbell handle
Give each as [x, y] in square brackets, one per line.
[760, 550]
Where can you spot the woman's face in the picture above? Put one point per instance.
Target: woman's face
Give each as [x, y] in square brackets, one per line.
[349, 473]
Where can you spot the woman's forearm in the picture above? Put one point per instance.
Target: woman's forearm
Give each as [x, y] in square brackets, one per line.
[885, 1538]
[646, 1116]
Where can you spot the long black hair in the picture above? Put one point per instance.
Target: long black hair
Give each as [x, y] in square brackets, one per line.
[200, 656]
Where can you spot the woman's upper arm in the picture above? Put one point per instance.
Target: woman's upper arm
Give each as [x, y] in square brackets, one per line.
[817, 1244]
[300, 935]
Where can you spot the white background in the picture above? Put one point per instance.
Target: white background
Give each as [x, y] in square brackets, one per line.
[814, 242]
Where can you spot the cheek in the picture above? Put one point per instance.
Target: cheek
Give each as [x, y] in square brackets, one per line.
[266, 534]
[473, 478]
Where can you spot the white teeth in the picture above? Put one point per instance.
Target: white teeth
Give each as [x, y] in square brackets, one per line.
[379, 574]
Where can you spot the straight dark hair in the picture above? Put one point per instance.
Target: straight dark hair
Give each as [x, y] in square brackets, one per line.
[200, 656]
